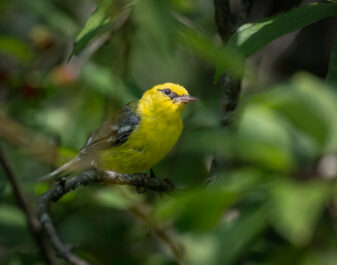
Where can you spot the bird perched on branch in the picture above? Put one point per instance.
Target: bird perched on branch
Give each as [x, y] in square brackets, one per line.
[137, 136]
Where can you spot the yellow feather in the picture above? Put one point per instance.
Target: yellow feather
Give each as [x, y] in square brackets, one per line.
[159, 129]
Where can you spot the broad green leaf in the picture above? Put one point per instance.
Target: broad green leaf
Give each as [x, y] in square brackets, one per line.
[296, 208]
[250, 38]
[241, 180]
[322, 101]
[101, 21]
[202, 208]
[225, 58]
[226, 243]
[234, 237]
[264, 139]
[332, 72]
[310, 105]
[199, 209]
[199, 248]
[16, 48]
[96, 25]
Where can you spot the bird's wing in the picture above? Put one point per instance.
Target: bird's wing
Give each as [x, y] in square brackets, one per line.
[113, 132]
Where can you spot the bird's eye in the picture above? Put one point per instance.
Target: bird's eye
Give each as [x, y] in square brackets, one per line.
[167, 91]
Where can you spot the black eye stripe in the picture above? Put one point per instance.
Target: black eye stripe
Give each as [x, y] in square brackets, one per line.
[173, 95]
[168, 92]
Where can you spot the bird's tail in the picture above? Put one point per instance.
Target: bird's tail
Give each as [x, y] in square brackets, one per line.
[67, 168]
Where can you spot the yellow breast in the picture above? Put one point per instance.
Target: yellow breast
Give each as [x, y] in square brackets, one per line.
[148, 143]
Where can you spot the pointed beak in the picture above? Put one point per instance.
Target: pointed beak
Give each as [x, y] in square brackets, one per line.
[186, 99]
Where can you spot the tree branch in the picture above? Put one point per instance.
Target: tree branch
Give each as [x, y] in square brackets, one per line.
[230, 86]
[33, 223]
[83, 179]
[226, 24]
[231, 90]
[224, 20]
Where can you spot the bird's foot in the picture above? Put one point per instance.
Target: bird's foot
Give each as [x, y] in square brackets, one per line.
[152, 175]
[138, 177]
[140, 182]
[62, 182]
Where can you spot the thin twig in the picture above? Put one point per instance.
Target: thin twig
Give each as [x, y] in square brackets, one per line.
[33, 223]
[83, 179]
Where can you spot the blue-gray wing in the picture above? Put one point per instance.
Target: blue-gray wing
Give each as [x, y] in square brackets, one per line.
[112, 133]
[115, 131]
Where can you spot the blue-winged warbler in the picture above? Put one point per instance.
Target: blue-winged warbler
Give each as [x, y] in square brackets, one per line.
[137, 136]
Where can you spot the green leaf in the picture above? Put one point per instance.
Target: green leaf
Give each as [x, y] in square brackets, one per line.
[225, 58]
[226, 243]
[199, 248]
[296, 208]
[202, 208]
[198, 209]
[100, 22]
[251, 37]
[234, 237]
[332, 72]
[310, 105]
[269, 142]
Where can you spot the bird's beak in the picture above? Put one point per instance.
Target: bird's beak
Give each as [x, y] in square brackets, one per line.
[185, 98]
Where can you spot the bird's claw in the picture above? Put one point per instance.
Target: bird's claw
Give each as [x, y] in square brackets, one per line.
[62, 182]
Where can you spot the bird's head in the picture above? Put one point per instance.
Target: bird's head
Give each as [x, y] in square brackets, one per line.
[166, 98]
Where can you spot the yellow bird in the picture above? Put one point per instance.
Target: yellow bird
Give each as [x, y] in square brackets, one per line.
[136, 137]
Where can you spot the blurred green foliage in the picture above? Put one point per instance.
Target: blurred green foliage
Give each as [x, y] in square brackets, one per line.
[263, 191]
